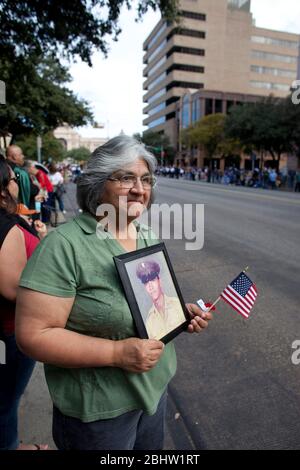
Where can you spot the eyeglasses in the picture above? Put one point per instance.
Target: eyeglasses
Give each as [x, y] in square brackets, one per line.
[129, 181]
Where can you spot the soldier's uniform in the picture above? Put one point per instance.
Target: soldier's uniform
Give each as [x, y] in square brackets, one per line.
[159, 324]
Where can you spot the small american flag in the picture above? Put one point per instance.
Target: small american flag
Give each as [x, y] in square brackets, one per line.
[241, 294]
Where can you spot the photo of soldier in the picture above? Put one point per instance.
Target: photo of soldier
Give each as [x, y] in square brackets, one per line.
[166, 312]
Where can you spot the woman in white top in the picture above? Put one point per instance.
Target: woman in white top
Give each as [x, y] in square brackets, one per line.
[57, 181]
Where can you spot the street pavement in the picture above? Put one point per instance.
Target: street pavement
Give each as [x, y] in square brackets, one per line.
[236, 386]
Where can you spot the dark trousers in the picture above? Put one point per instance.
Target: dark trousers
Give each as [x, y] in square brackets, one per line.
[14, 377]
[131, 431]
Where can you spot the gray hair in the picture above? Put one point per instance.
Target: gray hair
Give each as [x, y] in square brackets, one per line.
[103, 162]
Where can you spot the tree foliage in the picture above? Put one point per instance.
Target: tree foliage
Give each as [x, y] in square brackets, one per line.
[51, 147]
[209, 132]
[35, 36]
[270, 125]
[80, 154]
[76, 27]
[158, 144]
[37, 98]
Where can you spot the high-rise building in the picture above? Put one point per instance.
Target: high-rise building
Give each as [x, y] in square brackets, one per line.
[218, 52]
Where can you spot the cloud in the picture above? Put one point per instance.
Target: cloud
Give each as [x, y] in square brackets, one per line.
[113, 86]
[281, 15]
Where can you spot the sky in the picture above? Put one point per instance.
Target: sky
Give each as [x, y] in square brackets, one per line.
[114, 86]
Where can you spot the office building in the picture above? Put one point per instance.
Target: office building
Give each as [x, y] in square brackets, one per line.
[218, 53]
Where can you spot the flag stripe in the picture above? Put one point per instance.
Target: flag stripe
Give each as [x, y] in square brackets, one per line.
[232, 297]
[235, 308]
[236, 301]
[251, 297]
[253, 292]
[246, 300]
[242, 299]
[240, 294]
[255, 289]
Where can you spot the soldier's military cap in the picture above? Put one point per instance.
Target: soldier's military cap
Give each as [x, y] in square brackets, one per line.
[147, 271]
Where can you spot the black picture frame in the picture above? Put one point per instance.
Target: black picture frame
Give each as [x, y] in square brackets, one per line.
[135, 295]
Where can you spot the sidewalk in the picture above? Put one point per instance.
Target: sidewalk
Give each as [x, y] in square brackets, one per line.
[35, 414]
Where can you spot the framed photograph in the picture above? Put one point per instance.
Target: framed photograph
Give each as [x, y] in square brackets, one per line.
[152, 293]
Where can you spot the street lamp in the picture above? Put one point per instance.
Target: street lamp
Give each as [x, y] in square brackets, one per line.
[2, 92]
[39, 148]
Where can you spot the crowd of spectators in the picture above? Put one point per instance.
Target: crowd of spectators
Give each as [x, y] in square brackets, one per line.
[268, 178]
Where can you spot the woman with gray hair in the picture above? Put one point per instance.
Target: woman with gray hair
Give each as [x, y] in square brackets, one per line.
[108, 386]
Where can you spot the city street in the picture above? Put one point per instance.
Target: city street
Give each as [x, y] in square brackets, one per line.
[211, 90]
[236, 387]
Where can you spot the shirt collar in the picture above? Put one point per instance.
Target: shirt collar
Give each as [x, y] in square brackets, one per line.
[86, 222]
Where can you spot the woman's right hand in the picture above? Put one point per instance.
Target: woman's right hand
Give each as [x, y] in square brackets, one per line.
[41, 228]
[137, 355]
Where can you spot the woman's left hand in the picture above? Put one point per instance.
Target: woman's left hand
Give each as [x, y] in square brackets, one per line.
[41, 228]
[199, 319]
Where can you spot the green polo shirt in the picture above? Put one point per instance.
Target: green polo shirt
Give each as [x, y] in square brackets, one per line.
[76, 260]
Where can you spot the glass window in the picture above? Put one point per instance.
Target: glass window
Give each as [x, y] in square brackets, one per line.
[186, 32]
[177, 84]
[193, 15]
[185, 68]
[156, 109]
[156, 66]
[157, 122]
[157, 80]
[273, 71]
[186, 50]
[154, 39]
[156, 95]
[275, 42]
[170, 116]
[208, 106]
[196, 110]
[218, 106]
[274, 57]
[270, 86]
[157, 51]
[185, 117]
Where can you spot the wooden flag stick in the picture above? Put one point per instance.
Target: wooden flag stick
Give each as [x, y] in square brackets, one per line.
[215, 302]
[219, 298]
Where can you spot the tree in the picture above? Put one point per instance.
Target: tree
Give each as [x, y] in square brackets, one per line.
[51, 148]
[292, 115]
[35, 36]
[266, 126]
[76, 27]
[209, 133]
[158, 144]
[80, 154]
[37, 99]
